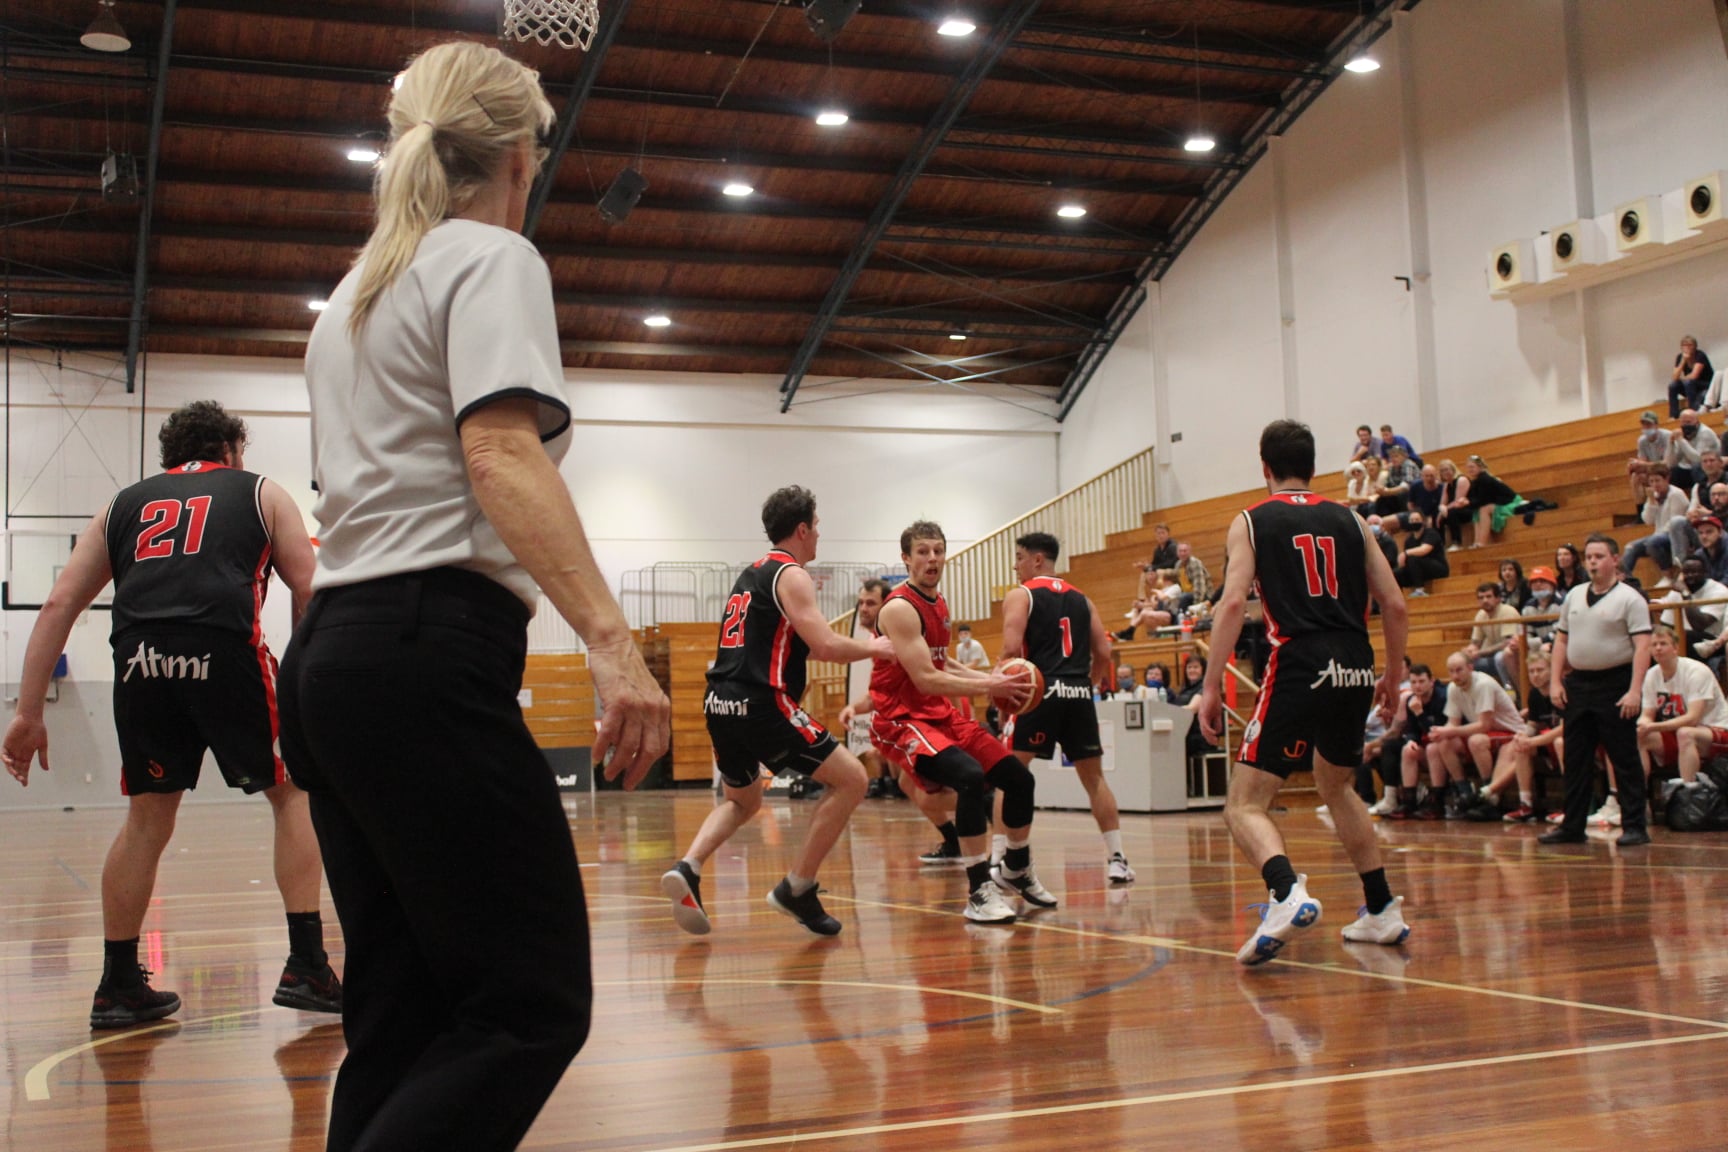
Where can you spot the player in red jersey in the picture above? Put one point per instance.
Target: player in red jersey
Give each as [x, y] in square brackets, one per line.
[1316, 570]
[916, 725]
[1056, 626]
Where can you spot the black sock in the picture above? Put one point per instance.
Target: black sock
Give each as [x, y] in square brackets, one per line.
[977, 875]
[950, 835]
[1279, 876]
[1017, 859]
[1376, 893]
[120, 963]
[306, 937]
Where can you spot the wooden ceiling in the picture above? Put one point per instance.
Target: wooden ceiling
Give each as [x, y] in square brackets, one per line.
[862, 251]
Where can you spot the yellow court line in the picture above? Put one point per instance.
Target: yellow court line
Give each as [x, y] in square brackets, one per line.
[920, 988]
[799, 1137]
[1396, 978]
[36, 1080]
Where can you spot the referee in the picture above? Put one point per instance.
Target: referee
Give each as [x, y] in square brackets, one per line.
[1601, 652]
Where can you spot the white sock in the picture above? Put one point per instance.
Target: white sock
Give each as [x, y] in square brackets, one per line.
[1526, 798]
[998, 845]
[1113, 842]
[799, 884]
[693, 865]
[1009, 842]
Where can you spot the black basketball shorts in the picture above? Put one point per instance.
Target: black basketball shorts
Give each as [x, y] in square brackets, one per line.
[1314, 698]
[751, 728]
[180, 691]
[1066, 717]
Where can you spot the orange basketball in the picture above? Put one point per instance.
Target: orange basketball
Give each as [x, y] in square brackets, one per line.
[1021, 667]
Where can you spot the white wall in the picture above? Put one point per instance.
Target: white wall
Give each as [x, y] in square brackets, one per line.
[1488, 121]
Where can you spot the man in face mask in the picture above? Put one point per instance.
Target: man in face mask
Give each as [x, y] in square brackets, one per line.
[1125, 679]
[1704, 639]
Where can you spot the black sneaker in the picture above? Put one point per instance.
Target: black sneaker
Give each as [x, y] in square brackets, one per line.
[684, 888]
[805, 909]
[307, 988]
[122, 1007]
[942, 854]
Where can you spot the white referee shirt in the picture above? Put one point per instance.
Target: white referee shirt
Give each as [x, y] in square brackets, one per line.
[1599, 629]
[469, 322]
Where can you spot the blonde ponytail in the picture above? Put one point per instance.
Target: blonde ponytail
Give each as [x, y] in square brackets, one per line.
[457, 113]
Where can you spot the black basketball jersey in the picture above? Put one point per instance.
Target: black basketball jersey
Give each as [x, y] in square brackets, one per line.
[758, 645]
[1310, 564]
[190, 547]
[1058, 628]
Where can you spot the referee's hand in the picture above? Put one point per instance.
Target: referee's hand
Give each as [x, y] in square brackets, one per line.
[26, 740]
[1630, 704]
[635, 719]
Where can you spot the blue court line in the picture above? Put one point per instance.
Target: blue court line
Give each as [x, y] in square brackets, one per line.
[76, 879]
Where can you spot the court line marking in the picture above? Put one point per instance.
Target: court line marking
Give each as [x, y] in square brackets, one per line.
[920, 988]
[1331, 966]
[36, 1080]
[1192, 1094]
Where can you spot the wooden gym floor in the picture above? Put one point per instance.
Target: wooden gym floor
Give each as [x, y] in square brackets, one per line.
[1568, 997]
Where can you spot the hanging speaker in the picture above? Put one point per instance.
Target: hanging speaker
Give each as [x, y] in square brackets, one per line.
[627, 188]
[1511, 266]
[1638, 224]
[827, 17]
[1575, 245]
[1704, 201]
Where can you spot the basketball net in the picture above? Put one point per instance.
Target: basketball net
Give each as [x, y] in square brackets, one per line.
[566, 23]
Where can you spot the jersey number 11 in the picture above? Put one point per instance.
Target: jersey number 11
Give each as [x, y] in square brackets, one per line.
[1313, 548]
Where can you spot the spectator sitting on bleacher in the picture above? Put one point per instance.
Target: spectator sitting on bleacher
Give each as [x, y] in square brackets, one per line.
[1155, 683]
[1487, 493]
[1368, 487]
[1358, 489]
[1686, 450]
[1651, 451]
[1704, 636]
[1491, 648]
[1427, 496]
[1685, 717]
[1682, 530]
[1191, 577]
[1480, 718]
[1381, 528]
[1567, 569]
[1390, 440]
[1544, 601]
[1454, 504]
[1397, 478]
[1164, 550]
[1518, 760]
[1364, 446]
[1419, 712]
[1514, 589]
[1712, 549]
[1692, 373]
[1148, 614]
[1422, 557]
[1661, 506]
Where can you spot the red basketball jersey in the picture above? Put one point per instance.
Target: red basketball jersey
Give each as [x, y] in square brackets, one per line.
[892, 693]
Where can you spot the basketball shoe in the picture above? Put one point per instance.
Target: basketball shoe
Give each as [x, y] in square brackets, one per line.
[1383, 927]
[804, 908]
[1279, 920]
[684, 888]
[1024, 885]
[986, 906]
[309, 988]
[119, 1007]
[1118, 870]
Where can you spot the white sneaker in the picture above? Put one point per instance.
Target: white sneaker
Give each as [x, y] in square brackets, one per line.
[986, 906]
[1025, 886]
[1278, 922]
[1608, 815]
[1383, 927]
[1118, 870]
[1386, 805]
[1323, 810]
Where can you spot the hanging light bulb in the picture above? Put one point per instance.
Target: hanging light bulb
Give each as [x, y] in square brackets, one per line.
[105, 33]
[1199, 141]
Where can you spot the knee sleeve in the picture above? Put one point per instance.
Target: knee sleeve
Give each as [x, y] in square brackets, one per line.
[972, 812]
[1016, 783]
[952, 768]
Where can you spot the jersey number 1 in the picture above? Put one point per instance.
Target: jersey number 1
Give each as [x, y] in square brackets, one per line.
[1067, 636]
[1312, 548]
[732, 626]
[160, 517]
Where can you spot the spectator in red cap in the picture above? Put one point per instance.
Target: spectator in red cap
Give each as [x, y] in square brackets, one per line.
[1544, 600]
[1711, 548]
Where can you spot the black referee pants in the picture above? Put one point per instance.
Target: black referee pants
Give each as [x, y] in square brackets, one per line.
[1593, 719]
[467, 988]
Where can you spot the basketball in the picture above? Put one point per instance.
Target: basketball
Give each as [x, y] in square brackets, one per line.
[1022, 667]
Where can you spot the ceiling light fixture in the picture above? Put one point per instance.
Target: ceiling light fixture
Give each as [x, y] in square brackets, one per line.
[317, 305]
[956, 335]
[831, 117]
[363, 155]
[1071, 211]
[737, 189]
[657, 321]
[956, 26]
[105, 33]
[1199, 142]
[1361, 62]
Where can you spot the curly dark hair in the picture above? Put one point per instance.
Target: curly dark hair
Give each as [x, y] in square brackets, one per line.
[201, 430]
[785, 509]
